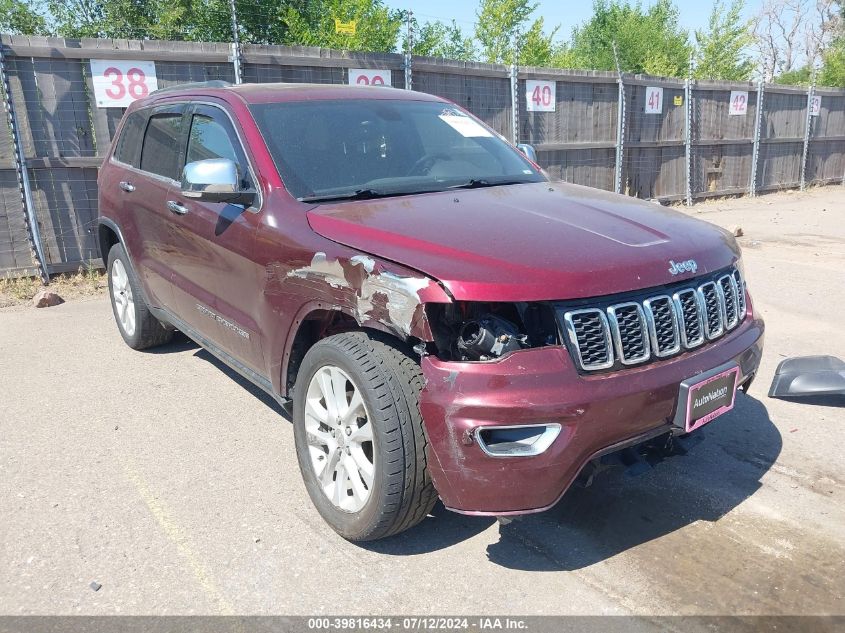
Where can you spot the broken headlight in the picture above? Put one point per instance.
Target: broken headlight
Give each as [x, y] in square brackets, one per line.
[478, 331]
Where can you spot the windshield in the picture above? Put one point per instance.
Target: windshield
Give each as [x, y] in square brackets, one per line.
[357, 148]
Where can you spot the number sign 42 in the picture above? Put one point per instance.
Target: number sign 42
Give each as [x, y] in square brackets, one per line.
[739, 103]
[118, 83]
[539, 95]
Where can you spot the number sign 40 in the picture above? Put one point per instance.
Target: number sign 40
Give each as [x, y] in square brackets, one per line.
[539, 95]
[118, 83]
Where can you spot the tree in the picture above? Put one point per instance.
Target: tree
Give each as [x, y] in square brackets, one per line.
[721, 48]
[500, 22]
[21, 16]
[313, 24]
[648, 40]
[436, 39]
[791, 35]
[537, 48]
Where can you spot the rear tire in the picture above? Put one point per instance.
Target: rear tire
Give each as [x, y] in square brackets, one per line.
[136, 324]
[378, 386]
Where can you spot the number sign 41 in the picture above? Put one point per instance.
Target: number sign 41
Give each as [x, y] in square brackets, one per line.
[118, 83]
[539, 95]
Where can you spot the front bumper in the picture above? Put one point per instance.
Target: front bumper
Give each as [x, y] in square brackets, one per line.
[597, 414]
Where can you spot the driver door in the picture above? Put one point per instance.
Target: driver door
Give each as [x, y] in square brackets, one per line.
[213, 270]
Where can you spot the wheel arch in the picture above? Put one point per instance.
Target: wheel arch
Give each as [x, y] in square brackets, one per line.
[317, 320]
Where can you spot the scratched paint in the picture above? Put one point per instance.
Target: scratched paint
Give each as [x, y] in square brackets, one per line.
[373, 294]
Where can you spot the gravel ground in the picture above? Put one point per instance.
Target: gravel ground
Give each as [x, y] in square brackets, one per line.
[173, 483]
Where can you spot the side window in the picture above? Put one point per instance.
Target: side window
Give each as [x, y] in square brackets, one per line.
[128, 148]
[211, 137]
[160, 154]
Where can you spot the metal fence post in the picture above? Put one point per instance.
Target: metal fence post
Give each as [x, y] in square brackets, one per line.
[620, 125]
[688, 131]
[409, 48]
[515, 90]
[755, 152]
[236, 44]
[810, 91]
[27, 205]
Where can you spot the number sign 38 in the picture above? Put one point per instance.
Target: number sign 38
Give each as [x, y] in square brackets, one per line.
[118, 83]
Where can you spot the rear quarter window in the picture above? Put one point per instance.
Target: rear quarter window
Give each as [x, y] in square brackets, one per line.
[160, 153]
[128, 149]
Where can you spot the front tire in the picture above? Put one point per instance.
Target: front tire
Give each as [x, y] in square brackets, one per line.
[137, 325]
[359, 436]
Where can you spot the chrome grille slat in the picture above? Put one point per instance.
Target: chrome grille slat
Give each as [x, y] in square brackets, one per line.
[727, 285]
[633, 332]
[740, 288]
[662, 321]
[589, 333]
[690, 317]
[628, 327]
[713, 309]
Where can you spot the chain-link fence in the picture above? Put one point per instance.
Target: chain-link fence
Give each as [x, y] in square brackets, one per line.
[661, 138]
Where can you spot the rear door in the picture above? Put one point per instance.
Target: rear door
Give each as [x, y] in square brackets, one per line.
[215, 278]
[146, 220]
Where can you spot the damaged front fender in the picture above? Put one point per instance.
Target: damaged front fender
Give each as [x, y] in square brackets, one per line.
[376, 294]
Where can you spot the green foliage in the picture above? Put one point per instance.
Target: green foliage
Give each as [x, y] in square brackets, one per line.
[796, 77]
[21, 16]
[721, 48]
[833, 71]
[649, 40]
[498, 21]
[537, 48]
[436, 39]
[312, 24]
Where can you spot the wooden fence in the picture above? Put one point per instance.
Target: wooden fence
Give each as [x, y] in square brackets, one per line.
[693, 147]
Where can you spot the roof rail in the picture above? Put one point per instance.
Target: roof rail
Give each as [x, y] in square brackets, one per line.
[214, 83]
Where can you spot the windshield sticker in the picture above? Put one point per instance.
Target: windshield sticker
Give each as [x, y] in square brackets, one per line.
[464, 125]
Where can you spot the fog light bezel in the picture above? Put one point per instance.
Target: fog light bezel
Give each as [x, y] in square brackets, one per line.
[551, 431]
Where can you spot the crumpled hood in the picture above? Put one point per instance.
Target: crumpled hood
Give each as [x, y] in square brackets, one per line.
[529, 242]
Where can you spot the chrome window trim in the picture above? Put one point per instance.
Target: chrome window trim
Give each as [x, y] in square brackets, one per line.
[617, 334]
[573, 338]
[676, 297]
[720, 309]
[651, 324]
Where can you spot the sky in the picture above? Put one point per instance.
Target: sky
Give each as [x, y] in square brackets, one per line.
[566, 13]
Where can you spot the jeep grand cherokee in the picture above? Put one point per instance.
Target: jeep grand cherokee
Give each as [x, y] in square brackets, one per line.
[445, 320]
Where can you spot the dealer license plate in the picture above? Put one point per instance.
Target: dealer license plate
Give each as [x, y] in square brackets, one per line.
[710, 398]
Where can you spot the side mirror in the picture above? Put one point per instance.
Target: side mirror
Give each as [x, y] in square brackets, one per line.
[214, 180]
[528, 150]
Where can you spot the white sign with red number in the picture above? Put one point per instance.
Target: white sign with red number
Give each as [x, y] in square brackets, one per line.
[540, 95]
[815, 105]
[118, 83]
[653, 100]
[739, 103]
[369, 77]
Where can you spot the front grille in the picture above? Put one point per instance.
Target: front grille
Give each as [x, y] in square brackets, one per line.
[631, 332]
[589, 332]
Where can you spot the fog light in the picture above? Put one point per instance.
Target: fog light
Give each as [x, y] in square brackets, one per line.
[518, 440]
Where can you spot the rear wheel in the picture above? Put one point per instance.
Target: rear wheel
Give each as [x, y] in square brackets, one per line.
[137, 325]
[359, 436]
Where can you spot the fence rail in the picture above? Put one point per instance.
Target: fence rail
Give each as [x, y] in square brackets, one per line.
[699, 139]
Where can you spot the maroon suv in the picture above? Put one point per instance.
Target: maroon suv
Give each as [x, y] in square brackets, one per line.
[445, 320]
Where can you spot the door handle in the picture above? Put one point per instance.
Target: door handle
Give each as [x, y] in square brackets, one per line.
[128, 187]
[175, 207]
